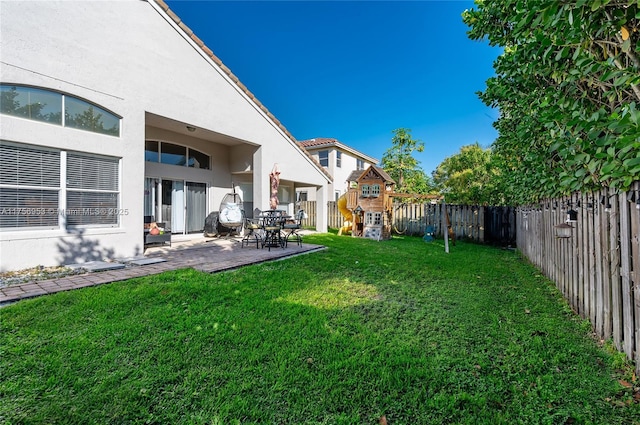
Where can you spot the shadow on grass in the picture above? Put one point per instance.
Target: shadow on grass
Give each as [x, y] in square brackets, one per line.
[360, 330]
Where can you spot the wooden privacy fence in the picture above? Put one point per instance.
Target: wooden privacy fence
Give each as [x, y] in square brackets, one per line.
[477, 223]
[597, 269]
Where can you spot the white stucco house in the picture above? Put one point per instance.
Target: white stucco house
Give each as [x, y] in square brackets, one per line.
[339, 160]
[113, 111]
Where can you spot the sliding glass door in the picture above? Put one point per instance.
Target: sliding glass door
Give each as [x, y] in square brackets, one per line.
[181, 205]
[175, 207]
[196, 210]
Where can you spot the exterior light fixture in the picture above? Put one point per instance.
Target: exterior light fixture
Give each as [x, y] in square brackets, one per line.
[607, 205]
[572, 216]
[191, 129]
[563, 230]
[635, 197]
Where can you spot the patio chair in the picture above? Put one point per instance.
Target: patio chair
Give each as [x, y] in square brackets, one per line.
[292, 228]
[252, 231]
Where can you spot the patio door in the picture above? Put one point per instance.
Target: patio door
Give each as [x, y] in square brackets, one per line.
[183, 206]
[196, 210]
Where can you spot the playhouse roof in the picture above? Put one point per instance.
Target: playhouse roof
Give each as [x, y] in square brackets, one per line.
[358, 174]
[386, 177]
[354, 176]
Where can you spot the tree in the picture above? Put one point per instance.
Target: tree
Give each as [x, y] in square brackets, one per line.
[567, 86]
[399, 163]
[469, 177]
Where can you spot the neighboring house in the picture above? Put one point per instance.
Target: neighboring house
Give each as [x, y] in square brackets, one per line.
[339, 160]
[112, 111]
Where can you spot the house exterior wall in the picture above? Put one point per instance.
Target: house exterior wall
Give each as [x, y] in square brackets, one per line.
[339, 185]
[131, 58]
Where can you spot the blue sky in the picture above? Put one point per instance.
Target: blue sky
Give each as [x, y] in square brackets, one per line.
[356, 70]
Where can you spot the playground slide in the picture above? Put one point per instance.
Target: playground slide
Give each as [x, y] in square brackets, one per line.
[342, 207]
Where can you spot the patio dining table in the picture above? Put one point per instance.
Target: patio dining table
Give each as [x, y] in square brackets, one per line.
[271, 222]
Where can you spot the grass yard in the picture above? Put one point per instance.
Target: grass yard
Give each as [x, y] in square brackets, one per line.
[364, 330]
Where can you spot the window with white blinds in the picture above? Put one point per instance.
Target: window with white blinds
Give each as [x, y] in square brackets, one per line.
[29, 186]
[31, 190]
[92, 190]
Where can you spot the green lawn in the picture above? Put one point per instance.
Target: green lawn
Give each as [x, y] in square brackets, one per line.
[361, 330]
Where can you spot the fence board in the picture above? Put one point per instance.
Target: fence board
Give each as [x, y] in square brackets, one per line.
[616, 282]
[635, 261]
[590, 260]
[597, 266]
[605, 270]
[585, 258]
[625, 271]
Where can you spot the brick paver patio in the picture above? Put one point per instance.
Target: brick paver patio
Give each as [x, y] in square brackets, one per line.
[211, 255]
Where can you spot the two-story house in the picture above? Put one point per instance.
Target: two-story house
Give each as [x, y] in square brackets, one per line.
[339, 160]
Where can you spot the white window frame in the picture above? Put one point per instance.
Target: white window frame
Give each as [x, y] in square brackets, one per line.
[93, 212]
[33, 213]
[187, 156]
[368, 218]
[322, 158]
[66, 190]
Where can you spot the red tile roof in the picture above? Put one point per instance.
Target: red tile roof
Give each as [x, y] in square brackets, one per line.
[318, 141]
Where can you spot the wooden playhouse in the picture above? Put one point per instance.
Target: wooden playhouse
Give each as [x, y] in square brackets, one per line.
[370, 201]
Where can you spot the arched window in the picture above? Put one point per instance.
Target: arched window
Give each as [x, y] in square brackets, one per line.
[45, 105]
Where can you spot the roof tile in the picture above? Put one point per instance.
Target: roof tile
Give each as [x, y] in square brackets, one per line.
[163, 5]
[185, 28]
[173, 16]
[199, 42]
[318, 141]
